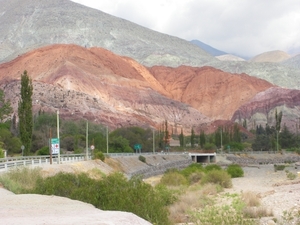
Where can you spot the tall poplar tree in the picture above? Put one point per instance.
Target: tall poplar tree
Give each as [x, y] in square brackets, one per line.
[25, 112]
[192, 138]
[181, 138]
[5, 108]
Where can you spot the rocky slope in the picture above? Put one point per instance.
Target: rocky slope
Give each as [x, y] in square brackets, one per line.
[261, 108]
[213, 92]
[97, 85]
[28, 24]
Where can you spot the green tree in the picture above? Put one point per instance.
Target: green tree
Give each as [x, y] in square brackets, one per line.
[278, 117]
[192, 138]
[202, 139]
[236, 133]
[287, 138]
[181, 139]
[119, 144]
[1, 150]
[25, 112]
[5, 108]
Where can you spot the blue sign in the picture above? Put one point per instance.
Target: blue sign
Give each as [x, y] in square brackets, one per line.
[138, 147]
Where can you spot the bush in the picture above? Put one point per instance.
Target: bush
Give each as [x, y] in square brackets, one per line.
[191, 169]
[173, 178]
[167, 196]
[21, 180]
[43, 151]
[236, 146]
[142, 159]
[114, 192]
[1, 153]
[235, 170]
[196, 177]
[279, 167]
[209, 146]
[99, 155]
[220, 177]
[290, 176]
[211, 167]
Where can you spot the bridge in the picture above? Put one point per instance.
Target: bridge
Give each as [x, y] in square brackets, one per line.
[198, 157]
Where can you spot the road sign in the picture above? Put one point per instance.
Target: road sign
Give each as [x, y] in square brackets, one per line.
[138, 147]
[55, 148]
[92, 147]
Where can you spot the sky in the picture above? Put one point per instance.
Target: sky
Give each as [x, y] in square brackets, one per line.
[242, 27]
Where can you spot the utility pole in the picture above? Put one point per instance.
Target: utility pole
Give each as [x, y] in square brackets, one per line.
[87, 141]
[58, 136]
[153, 141]
[107, 139]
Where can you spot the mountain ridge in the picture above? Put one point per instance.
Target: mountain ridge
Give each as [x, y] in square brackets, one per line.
[98, 85]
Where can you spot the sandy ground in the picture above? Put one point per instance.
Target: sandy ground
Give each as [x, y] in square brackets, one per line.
[51, 210]
[277, 193]
[39, 209]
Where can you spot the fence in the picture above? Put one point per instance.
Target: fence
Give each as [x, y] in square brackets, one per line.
[11, 162]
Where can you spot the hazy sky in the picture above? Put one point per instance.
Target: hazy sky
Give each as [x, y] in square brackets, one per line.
[244, 27]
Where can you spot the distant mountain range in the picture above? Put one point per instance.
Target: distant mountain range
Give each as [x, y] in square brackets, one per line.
[211, 50]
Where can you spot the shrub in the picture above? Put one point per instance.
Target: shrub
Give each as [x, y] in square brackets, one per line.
[235, 170]
[250, 198]
[279, 167]
[211, 167]
[236, 146]
[196, 177]
[21, 180]
[173, 179]
[114, 192]
[209, 146]
[220, 177]
[99, 155]
[1, 153]
[168, 197]
[142, 159]
[291, 176]
[43, 151]
[192, 169]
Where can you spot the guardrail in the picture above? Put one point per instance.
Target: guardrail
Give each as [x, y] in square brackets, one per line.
[11, 162]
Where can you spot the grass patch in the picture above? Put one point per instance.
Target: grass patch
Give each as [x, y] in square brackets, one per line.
[20, 180]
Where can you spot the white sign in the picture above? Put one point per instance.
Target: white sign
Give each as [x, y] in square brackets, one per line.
[55, 146]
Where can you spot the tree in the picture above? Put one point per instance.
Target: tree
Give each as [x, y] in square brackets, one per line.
[181, 139]
[278, 117]
[202, 139]
[192, 138]
[5, 108]
[119, 145]
[25, 112]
